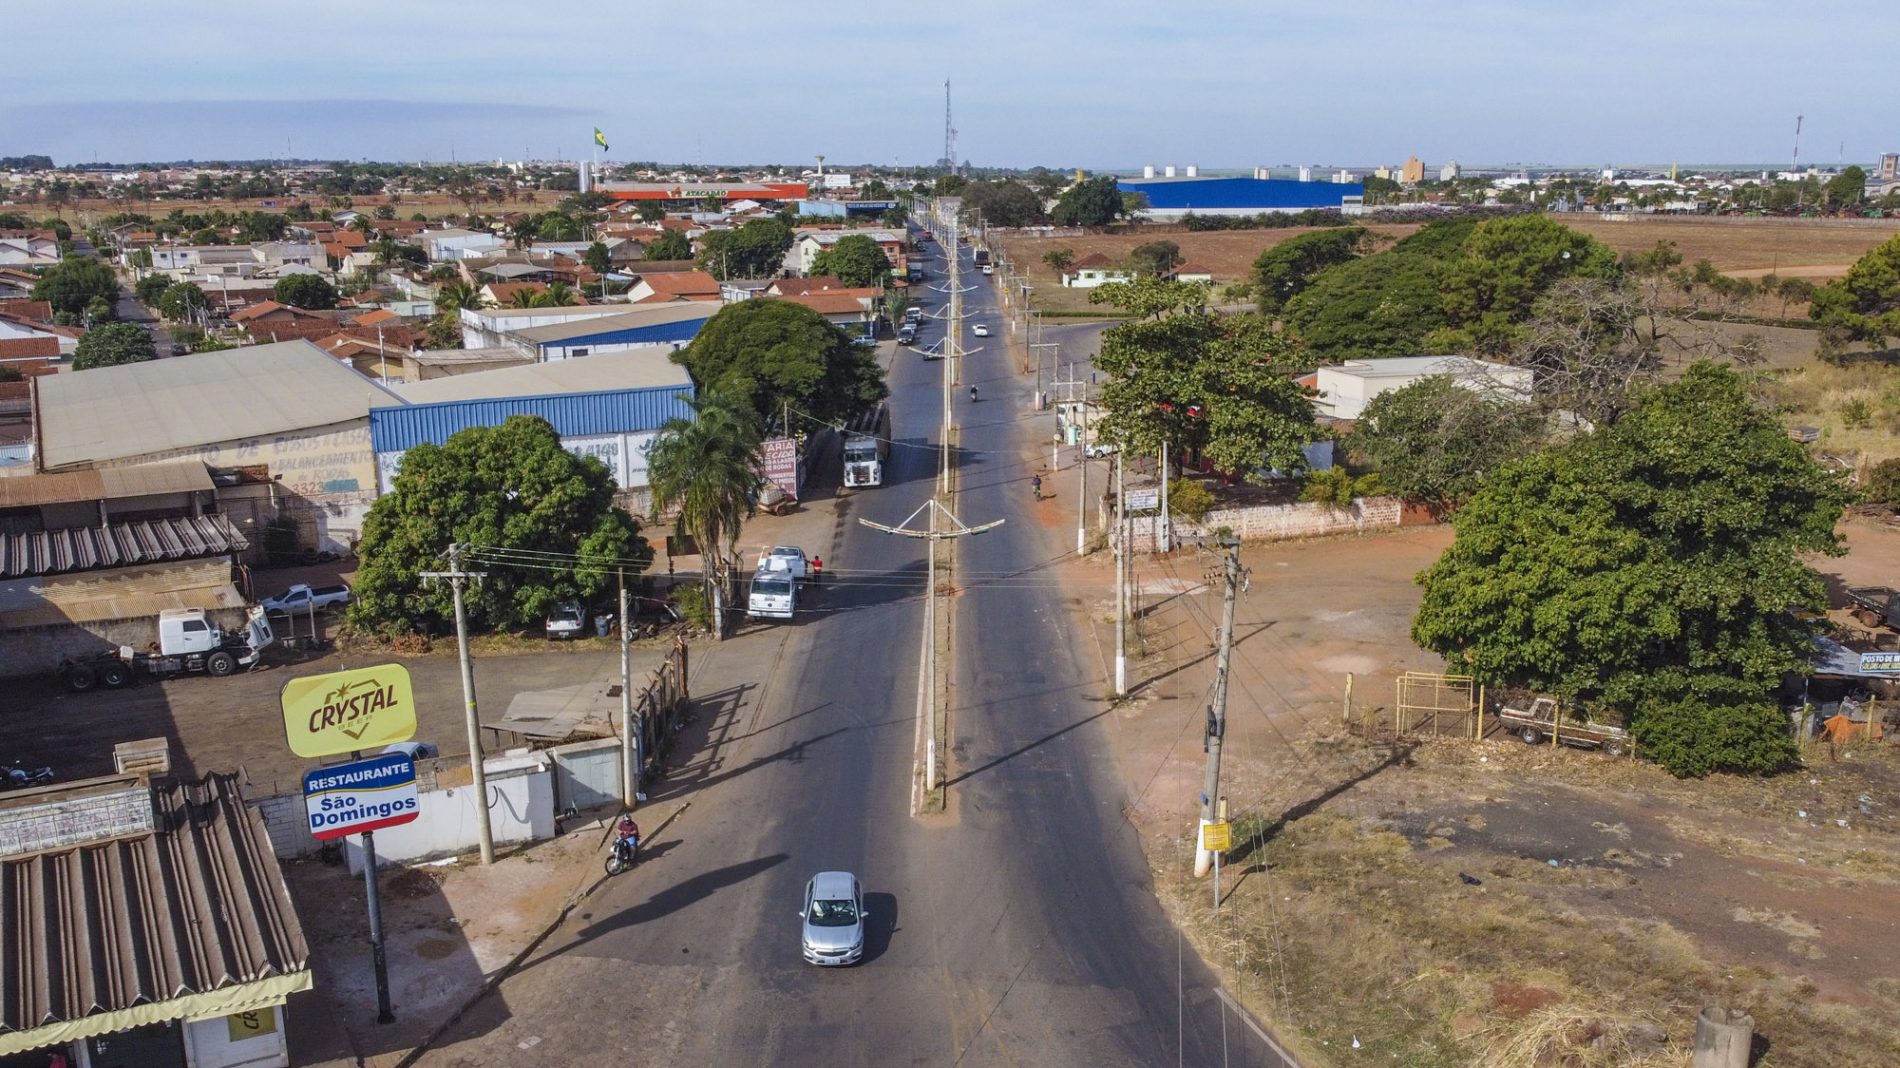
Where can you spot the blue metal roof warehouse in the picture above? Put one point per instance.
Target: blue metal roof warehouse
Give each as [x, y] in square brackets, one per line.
[1239, 196]
[574, 415]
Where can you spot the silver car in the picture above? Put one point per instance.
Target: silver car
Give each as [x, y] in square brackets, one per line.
[833, 915]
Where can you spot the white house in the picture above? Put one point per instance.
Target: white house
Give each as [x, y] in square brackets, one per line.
[1345, 390]
[28, 250]
[458, 244]
[1094, 270]
[809, 243]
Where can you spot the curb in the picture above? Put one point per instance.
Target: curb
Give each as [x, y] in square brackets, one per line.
[580, 894]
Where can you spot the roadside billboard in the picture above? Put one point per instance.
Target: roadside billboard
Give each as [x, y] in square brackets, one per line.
[348, 711]
[781, 464]
[361, 796]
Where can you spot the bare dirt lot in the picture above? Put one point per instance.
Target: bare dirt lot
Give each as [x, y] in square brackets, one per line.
[1449, 902]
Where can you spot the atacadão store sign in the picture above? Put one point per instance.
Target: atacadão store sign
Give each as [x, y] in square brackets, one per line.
[348, 711]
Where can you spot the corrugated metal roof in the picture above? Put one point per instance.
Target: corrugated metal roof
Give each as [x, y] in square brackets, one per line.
[198, 906]
[98, 484]
[52, 552]
[634, 319]
[637, 369]
[572, 415]
[138, 409]
[1179, 194]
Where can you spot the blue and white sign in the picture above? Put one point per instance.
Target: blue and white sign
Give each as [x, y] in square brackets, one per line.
[363, 795]
[1884, 662]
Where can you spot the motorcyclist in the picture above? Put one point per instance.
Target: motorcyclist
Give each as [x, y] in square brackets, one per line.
[628, 836]
[973, 392]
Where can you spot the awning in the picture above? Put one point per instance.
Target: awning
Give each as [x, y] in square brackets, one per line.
[214, 1004]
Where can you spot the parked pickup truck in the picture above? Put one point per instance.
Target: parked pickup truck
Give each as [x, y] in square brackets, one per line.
[1875, 606]
[793, 559]
[304, 597]
[1538, 723]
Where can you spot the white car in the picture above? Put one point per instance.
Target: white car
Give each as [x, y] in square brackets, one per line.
[833, 916]
[981, 330]
[566, 622]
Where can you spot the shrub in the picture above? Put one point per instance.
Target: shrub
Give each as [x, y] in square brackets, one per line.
[1857, 414]
[1883, 484]
[691, 600]
[1693, 737]
[1189, 499]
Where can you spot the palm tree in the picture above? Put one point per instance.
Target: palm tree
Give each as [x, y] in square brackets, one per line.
[525, 298]
[706, 469]
[559, 295]
[459, 295]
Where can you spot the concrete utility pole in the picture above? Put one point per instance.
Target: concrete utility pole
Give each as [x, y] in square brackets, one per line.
[629, 740]
[1036, 348]
[1121, 581]
[1217, 712]
[931, 535]
[457, 578]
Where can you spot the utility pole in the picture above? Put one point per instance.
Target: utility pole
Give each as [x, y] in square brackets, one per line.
[1121, 582]
[629, 741]
[457, 579]
[931, 536]
[1217, 712]
[1036, 348]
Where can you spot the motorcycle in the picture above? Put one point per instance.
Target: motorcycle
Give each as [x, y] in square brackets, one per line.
[625, 852]
[17, 777]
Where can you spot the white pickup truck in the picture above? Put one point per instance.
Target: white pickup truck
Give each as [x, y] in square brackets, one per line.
[304, 597]
[793, 559]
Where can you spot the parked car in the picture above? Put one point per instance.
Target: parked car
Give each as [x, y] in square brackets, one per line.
[567, 621]
[793, 559]
[832, 920]
[304, 597]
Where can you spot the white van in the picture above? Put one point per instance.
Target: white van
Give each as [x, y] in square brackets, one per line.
[774, 593]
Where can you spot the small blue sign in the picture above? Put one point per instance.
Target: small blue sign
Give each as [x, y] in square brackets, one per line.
[363, 795]
[1881, 662]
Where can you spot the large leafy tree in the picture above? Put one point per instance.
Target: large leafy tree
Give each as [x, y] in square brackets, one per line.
[1435, 440]
[1218, 386]
[1288, 268]
[507, 487]
[151, 287]
[1864, 305]
[1653, 566]
[705, 470]
[75, 282]
[1156, 259]
[1383, 305]
[670, 245]
[1501, 270]
[1005, 203]
[181, 301]
[308, 291]
[755, 250]
[113, 344]
[1090, 202]
[1845, 189]
[762, 354]
[855, 260]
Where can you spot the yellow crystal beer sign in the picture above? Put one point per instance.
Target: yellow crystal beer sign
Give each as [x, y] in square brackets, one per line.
[348, 711]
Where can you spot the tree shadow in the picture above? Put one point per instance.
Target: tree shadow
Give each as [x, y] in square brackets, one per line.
[1020, 750]
[670, 900]
[1397, 754]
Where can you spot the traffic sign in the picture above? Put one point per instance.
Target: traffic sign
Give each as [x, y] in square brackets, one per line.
[363, 795]
[1881, 662]
[348, 711]
[1217, 837]
[1144, 500]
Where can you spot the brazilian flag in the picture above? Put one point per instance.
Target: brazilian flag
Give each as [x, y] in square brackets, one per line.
[600, 138]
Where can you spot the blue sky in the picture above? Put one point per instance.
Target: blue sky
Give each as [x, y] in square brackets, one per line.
[1102, 83]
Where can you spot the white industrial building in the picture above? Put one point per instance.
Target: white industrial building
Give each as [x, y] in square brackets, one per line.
[1345, 390]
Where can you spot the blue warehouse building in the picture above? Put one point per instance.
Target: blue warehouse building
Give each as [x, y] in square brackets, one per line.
[1171, 198]
[608, 406]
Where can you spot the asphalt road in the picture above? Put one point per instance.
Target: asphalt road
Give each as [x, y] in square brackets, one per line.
[1017, 928]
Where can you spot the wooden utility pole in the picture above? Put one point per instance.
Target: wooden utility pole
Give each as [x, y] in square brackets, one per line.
[1217, 712]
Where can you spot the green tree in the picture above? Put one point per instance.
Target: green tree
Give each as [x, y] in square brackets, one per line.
[894, 216]
[1059, 259]
[182, 302]
[1215, 386]
[113, 344]
[598, 259]
[1005, 203]
[1381, 190]
[1383, 305]
[558, 294]
[670, 245]
[503, 489]
[1156, 259]
[443, 332]
[308, 291]
[1864, 305]
[649, 210]
[950, 185]
[706, 471]
[72, 283]
[855, 260]
[1845, 190]
[1434, 440]
[100, 310]
[1492, 283]
[1441, 239]
[1654, 566]
[1090, 202]
[755, 250]
[1288, 268]
[151, 287]
[457, 295]
[1337, 487]
[765, 353]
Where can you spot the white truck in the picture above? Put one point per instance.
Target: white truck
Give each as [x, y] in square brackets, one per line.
[188, 642]
[792, 559]
[774, 592]
[867, 444]
[304, 597]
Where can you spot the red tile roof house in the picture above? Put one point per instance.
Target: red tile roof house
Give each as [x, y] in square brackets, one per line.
[674, 285]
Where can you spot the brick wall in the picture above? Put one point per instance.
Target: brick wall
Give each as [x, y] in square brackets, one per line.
[114, 808]
[1270, 522]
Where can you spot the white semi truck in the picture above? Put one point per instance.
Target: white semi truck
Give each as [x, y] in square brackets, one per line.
[188, 642]
[867, 445]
